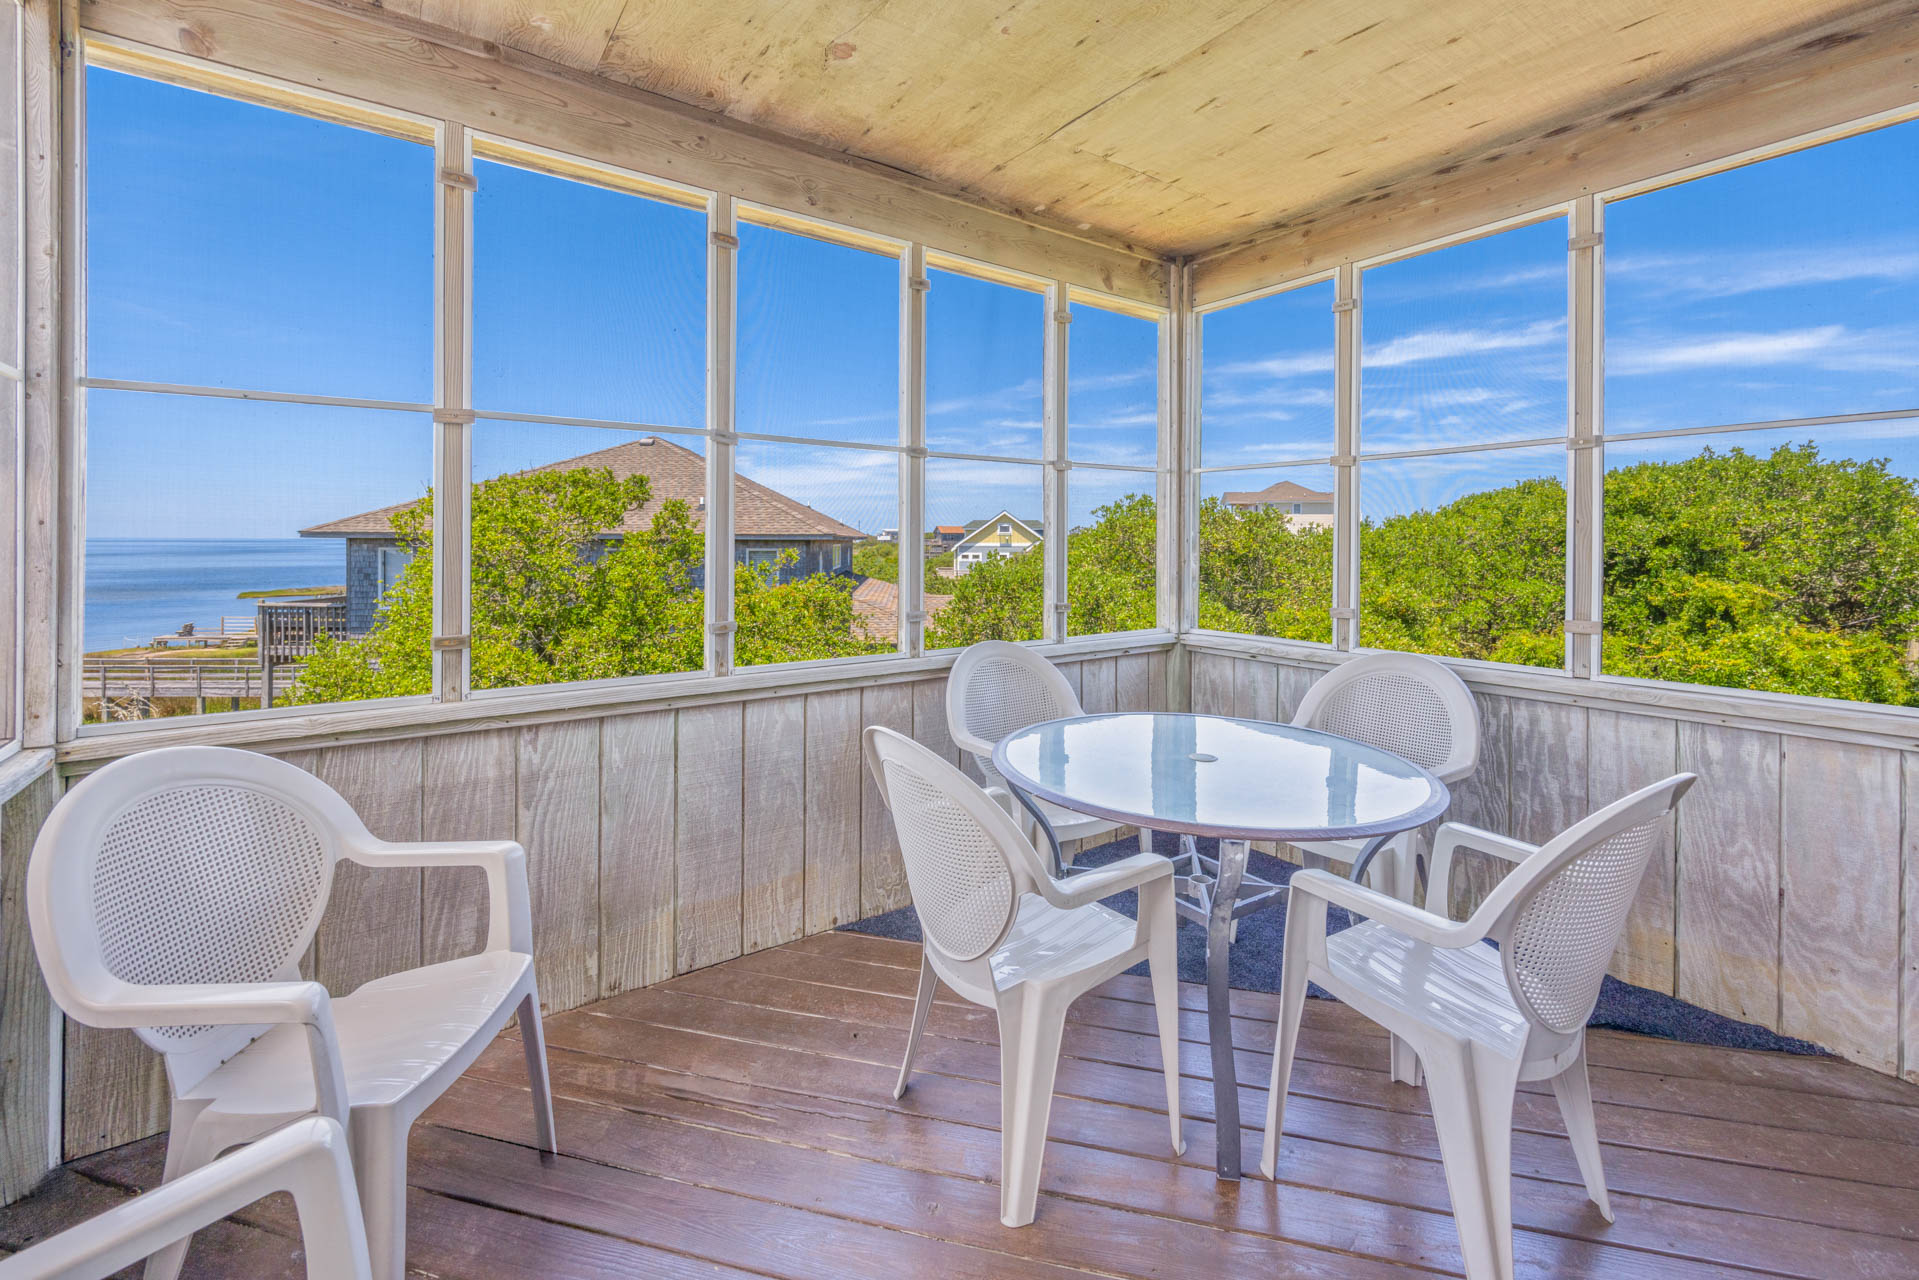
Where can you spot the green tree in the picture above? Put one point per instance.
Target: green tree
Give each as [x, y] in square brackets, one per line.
[876, 559]
[553, 601]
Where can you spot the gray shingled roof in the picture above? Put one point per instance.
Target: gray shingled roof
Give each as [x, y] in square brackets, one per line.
[1283, 491]
[674, 472]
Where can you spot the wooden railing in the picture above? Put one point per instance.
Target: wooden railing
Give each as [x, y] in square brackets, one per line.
[127, 688]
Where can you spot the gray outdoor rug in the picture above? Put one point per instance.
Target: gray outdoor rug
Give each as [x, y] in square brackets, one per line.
[1255, 963]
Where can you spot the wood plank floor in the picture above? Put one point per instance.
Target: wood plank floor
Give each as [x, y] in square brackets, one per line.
[738, 1122]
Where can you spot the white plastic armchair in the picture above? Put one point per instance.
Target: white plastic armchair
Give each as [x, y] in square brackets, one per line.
[1486, 1003]
[1004, 934]
[174, 892]
[307, 1159]
[1415, 708]
[997, 688]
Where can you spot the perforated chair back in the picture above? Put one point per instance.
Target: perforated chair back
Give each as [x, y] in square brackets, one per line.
[1567, 905]
[1399, 702]
[183, 865]
[998, 688]
[966, 863]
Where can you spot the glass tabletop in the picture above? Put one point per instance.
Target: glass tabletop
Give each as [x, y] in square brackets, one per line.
[1213, 776]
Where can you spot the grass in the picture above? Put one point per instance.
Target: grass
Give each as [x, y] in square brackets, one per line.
[277, 592]
[179, 655]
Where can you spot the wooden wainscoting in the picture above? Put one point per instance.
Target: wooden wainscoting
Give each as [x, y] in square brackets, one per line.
[658, 842]
[1777, 895]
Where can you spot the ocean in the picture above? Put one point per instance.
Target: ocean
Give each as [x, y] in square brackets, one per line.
[139, 588]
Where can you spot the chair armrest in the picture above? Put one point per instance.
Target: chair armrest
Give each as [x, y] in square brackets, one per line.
[307, 1158]
[1457, 835]
[210, 1004]
[509, 903]
[1090, 886]
[234, 1004]
[1415, 923]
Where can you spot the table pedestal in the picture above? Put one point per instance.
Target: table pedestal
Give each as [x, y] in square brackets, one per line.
[1215, 893]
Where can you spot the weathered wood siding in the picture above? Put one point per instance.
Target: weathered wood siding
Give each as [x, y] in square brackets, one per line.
[1780, 894]
[657, 842]
[26, 1010]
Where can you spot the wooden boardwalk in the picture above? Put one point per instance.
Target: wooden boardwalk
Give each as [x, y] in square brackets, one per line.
[738, 1121]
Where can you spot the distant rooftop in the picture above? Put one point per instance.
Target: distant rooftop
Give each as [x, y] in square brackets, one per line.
[673, 472]
[1283, 491]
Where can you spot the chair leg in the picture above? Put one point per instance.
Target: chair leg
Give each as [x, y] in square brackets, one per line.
[1405, 1064]
[1573, 1089]
[1030, 1030]
[533, 1043]
[922, 1005]
[1396, 873]
[1162, 963]
[1497, 1080]
[1145, 840]
[1451, 1090]
[1300, 925]
[189, 1146]
[378, 1137]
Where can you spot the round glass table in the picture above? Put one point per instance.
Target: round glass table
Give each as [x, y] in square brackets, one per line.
[1239, 780]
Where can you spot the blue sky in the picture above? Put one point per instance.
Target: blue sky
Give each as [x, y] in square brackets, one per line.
[236, 246]
[1785, 289]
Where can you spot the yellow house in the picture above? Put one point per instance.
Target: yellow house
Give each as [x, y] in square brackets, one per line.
[1002, 536]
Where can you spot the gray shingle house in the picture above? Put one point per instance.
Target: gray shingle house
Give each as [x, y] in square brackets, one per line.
[765, 523]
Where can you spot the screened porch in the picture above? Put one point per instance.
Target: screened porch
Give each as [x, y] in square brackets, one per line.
[575, 428]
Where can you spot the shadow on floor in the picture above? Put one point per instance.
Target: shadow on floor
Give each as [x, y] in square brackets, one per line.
[1255, 963]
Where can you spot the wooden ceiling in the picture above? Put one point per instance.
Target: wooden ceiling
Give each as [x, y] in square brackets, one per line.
[1174, 125]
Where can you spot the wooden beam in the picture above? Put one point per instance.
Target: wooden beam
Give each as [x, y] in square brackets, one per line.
[1848, 70]
[492, 89]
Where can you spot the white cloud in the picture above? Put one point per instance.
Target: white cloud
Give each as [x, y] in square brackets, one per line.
[1447, 344]
[1293, 366]
[1755, 271]
[1725, 349]
[1834, 347]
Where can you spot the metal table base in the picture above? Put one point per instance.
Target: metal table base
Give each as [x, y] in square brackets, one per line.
[1214, 893]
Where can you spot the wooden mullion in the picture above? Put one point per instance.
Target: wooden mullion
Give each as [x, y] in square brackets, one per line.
[1585, 426]
[1346, 516]
[722, 243]
[914, 284]
[453, 418]
[1187, 428]
[1053, 447]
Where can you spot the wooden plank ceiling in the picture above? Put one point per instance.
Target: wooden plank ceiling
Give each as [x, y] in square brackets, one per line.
[1173, 124]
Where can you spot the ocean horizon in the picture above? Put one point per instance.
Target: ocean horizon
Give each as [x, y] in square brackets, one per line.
[139, 588]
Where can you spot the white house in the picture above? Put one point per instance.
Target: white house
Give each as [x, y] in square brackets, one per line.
[1303, 507]
[1003, 536]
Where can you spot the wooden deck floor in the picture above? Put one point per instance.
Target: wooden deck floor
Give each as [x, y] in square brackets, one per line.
[738, 1121]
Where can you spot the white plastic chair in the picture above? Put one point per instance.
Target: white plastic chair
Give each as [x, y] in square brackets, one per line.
[1482, 1019]
[1409, 705]
[997, 688]
[308, 1159]
[1004, 934]
[1419, 710]
[175, 891]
